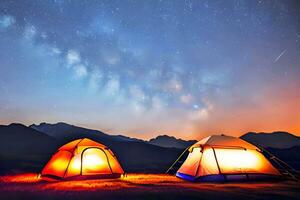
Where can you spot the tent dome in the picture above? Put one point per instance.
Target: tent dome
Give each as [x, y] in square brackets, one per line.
[82, 158]
[225, 141]
[220, 157]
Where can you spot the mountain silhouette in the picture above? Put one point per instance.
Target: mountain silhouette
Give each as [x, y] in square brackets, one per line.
[134, 154]
[170, 141]
[277, 139]
[23, 147]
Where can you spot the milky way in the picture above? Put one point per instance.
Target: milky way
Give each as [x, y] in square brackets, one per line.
[143, 68]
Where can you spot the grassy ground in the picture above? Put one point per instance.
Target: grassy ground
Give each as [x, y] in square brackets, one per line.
[141, 186]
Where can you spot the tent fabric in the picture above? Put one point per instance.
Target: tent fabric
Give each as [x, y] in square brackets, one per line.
[82, 157]
[191, 166]
[225, 141]
[225, 156]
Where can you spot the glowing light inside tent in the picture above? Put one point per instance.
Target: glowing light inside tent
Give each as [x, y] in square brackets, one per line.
[238, 160]
[94, 161]
[194, 159]
[75, 166]
[58, 163]
[208, 163]
[82, 157]
[224, 155]
[76, 163]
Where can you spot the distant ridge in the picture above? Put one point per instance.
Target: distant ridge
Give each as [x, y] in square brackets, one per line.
[278, 139]
[62, 130]
[170, 141]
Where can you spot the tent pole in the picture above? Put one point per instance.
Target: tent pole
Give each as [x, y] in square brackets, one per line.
[218, 164]
[177, 160]
[68, 165]
[217, 160]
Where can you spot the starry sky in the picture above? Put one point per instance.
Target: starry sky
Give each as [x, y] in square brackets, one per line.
[144, 68]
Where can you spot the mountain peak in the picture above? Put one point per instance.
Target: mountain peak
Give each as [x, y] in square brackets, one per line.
[49, 124]
[165, 136]
[16, 125]
[170, 141]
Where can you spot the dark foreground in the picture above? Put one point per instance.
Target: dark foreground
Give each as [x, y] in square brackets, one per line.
[141, 186]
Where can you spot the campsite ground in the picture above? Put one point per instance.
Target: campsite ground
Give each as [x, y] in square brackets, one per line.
[141, 186]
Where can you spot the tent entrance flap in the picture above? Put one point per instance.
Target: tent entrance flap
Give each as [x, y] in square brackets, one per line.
[94, 161]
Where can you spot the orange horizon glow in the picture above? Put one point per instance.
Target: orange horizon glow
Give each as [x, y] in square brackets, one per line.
[197, 133]
[276, 110]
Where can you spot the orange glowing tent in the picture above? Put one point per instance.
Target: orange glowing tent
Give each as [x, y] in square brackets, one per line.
[82, 158]
[221, 158]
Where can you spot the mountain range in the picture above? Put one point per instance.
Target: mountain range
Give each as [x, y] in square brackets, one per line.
[63, 131]
[29, 148]
[278, 139]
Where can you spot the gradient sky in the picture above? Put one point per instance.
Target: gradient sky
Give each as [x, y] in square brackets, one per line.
[144, 68]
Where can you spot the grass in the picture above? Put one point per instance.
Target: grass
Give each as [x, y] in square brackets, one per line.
[141, 186]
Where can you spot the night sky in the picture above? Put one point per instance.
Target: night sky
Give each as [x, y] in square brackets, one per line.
[144, 68]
